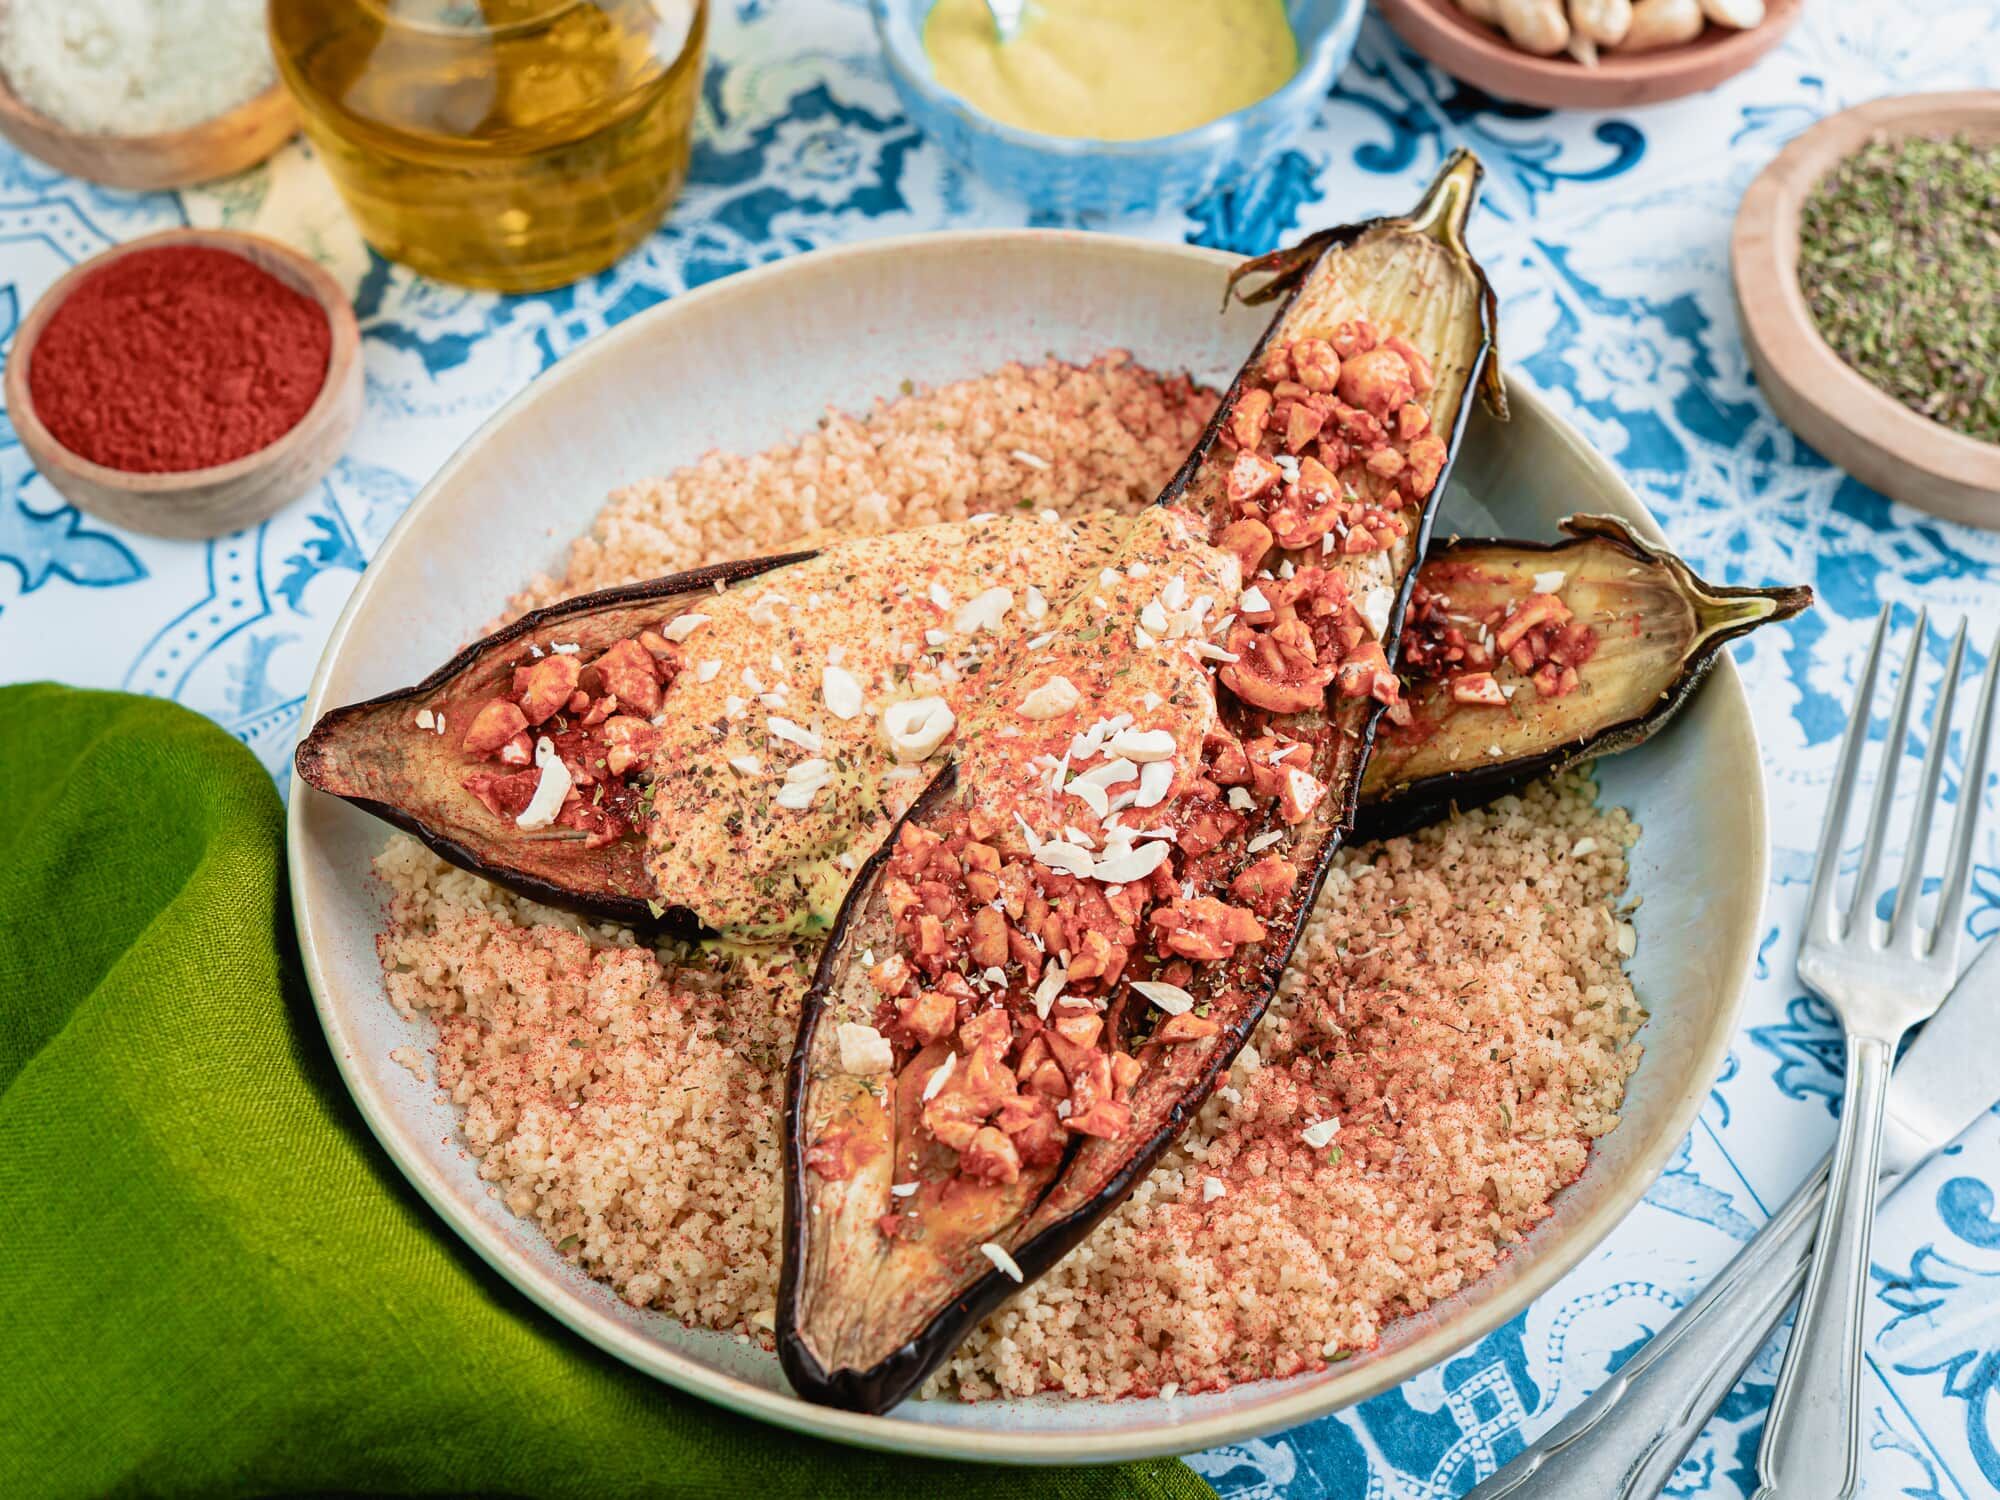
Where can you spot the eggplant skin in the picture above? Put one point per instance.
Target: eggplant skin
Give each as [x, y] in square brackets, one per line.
[887, 1382]
[1389, 809]
[369, 754]
[1094, 1175]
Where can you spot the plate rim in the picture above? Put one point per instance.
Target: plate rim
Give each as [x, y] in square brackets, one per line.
[889, 1433]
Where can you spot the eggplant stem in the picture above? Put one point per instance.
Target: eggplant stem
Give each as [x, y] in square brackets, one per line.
[1446, 207]
[1721, 617]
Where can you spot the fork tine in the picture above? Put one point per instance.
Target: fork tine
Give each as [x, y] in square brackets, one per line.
[1861, 904]
[1910, 880]
[1971, 792]
[1826, 868]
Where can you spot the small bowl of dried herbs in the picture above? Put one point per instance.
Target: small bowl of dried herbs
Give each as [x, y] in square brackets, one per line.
[1866, 263]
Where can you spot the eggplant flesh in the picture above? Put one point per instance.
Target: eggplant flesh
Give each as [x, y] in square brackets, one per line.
[892, 1252]
[1655, 629]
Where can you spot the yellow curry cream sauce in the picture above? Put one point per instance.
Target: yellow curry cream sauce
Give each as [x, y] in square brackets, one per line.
[1113, 70]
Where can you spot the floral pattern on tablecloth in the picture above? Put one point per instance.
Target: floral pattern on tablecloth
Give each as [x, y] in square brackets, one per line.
[1611, 228]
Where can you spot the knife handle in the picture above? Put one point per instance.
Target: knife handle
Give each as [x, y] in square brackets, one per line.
[1625, 1442]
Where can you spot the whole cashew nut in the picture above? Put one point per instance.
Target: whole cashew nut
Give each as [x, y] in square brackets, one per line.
[1662, 23]
[1604, 22]
[1741, 14]
[1539, 26]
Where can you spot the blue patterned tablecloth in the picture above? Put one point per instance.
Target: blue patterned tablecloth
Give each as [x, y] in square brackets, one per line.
[1608, 236]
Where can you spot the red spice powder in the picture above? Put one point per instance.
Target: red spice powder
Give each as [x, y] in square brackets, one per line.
[178, 358]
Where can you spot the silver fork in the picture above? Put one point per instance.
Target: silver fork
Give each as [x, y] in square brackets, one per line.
[1880, 980]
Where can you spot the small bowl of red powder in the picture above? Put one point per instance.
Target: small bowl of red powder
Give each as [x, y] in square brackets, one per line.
[189, 383]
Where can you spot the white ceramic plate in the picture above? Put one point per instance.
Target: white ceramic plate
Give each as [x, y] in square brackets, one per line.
[741, 364]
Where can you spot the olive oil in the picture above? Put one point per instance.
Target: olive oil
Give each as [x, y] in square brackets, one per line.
[509, 144]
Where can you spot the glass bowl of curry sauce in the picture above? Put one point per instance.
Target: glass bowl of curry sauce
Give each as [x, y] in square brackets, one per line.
[1104, 108]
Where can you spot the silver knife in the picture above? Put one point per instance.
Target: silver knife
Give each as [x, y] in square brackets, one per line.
[1625, 1442]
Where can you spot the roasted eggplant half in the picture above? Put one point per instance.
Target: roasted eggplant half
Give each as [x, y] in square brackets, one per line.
[1035, 983]
[460, 759]
[724, 747]
[1521, 658]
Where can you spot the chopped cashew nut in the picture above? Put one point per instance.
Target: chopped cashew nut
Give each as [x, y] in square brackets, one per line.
[1051, 700]
[842, 691]
[864, 1050]
[914, 727]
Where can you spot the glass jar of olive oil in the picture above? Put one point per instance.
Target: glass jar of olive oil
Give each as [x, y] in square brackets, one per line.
[509, 144]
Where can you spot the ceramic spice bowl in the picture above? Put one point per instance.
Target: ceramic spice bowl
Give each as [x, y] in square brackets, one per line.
[220, 147]
[1070, 178]
[203, 502]
[1869, 433]
[1483, 57]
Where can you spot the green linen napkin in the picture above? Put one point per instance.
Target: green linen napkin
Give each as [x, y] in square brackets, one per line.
[212, 1281]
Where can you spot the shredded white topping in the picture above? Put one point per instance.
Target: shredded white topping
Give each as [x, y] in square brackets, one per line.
[566, 648]
[1110, 774]
[1241, 800]
[1252, 601]
[424, 720]
[940, 596]
[1155, 778]
[794, 734]
[1002, 1261]
[803, 782]
[1264, 841]
[1033, 461]
[940, 1075]
[1320, 1133]
[1170, 998]
[1582, 847]
[1069, 858]
[1374, 608]
[549, 791]
[706, 671]
[1053, 979]
[1211, 1189]
[749, 765]
[1128, 865]
[1549, 582]
[1091, 795]
[904, 1189]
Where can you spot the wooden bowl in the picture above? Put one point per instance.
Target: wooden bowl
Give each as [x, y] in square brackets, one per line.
[1869, 433]
[1483, 57]
[229, 143]
[201, 503]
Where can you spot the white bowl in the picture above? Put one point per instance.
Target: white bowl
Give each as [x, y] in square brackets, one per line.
[840, 327]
